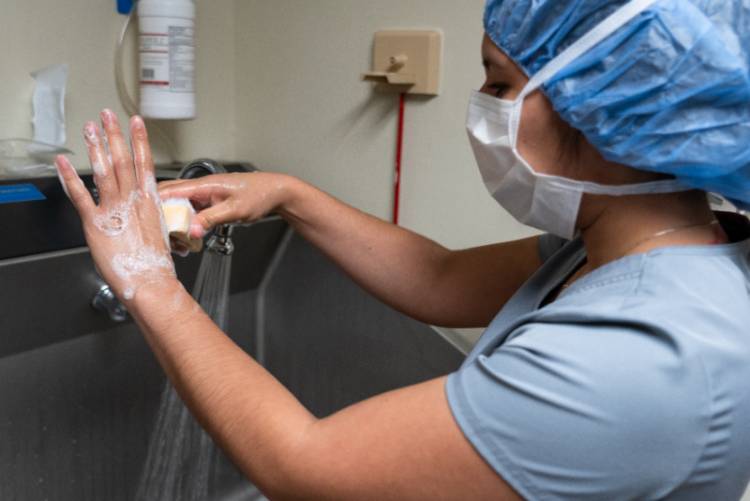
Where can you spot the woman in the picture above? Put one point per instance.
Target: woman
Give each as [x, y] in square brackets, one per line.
[618, 365]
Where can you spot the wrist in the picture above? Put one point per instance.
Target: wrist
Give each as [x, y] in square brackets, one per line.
[162, 297]
[292, 193]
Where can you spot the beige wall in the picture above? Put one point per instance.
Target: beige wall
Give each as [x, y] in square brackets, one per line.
[303, 110]
[278, 84]
[82, 33]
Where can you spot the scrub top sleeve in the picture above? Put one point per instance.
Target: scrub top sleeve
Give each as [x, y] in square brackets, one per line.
[570, 420]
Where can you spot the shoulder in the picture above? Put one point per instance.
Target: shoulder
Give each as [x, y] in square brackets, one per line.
[617, 372]
[561, 406]
[713, 279]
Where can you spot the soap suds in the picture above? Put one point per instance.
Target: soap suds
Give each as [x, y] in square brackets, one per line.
[100, 145]
[116, 220]
[89, 133]
[152, 191]
[144, 261]
[107, 150]
[98, 168]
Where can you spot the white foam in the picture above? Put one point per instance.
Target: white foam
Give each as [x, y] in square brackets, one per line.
[145, 262]
[152, 191]
[98, 168]
[116, 220]
[90, 134]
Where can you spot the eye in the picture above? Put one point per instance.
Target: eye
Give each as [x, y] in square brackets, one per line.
[500, 89]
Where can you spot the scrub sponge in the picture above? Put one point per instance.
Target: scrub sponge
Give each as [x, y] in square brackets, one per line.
[178, 214]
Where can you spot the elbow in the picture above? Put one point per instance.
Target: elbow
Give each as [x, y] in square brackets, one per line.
[286, 471]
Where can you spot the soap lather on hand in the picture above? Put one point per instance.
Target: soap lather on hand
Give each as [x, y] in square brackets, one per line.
[178, 215]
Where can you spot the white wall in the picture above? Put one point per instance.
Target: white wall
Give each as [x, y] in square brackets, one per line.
[82, 33]
[303, 110]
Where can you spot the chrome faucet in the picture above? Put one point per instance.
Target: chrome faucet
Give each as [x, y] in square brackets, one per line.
[106, 301]
[221, 239]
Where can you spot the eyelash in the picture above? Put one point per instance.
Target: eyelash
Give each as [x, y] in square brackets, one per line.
[500, 88]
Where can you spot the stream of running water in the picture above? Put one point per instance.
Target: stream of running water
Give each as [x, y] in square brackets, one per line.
[181, 455]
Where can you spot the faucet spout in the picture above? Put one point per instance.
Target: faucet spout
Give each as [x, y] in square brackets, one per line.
[221, 240]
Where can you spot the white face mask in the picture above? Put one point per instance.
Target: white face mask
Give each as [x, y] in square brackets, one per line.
[548, 203]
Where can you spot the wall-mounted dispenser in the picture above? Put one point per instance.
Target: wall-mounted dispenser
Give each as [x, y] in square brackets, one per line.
[407, 60]
[166, 33]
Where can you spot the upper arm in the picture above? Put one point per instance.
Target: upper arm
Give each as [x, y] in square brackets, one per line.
[476, 283]
[400, 445]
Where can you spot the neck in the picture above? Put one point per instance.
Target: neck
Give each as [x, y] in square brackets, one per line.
[626, 225]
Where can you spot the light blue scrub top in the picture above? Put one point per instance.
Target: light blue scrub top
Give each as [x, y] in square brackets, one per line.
[633, 384]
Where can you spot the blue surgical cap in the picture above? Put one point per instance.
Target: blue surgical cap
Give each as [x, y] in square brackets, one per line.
[669, 92]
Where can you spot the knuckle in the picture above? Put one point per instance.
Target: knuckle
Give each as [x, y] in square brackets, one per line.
[208, 220]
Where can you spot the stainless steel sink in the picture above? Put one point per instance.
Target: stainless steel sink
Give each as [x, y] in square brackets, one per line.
[79, 392]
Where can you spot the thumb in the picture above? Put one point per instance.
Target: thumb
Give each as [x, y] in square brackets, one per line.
[207, 219]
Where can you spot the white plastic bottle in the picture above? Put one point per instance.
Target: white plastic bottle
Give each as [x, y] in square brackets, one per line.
[166, 32]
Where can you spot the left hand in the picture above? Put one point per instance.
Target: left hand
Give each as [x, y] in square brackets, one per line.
[126, 231]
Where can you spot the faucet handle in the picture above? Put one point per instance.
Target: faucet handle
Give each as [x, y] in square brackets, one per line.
[106, 301]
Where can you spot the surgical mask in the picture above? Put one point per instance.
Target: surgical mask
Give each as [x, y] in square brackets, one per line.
[548, 203]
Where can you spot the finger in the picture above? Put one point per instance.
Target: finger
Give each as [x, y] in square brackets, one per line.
[104, 177]
[170, 183]
[201, 191]
[122, 160]
[205, 220]
[142, 157]
[74, 187]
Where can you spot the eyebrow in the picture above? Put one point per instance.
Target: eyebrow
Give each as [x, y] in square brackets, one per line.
[487, 64]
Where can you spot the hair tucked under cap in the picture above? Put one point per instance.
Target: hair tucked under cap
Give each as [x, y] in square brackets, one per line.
[669, 92]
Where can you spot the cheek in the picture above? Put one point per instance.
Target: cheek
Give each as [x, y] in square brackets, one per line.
[539, 136]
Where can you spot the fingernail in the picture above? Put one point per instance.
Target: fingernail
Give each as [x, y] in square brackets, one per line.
[197, 231]
[107, 116]
[137, 120]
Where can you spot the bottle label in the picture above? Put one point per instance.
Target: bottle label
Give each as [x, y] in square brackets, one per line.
[168, 59]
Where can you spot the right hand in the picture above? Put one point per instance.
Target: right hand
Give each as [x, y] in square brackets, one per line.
[229, 198]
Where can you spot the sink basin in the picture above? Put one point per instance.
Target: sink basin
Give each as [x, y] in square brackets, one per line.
[80, 392]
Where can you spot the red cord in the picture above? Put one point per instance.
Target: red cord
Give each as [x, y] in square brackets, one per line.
[399, 153]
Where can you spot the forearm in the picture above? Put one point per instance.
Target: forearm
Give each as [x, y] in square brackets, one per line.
[398, 266]
[243, 407]
[400, 445]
